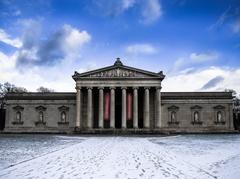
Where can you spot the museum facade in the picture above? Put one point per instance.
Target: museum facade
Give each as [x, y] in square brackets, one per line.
[119, 99]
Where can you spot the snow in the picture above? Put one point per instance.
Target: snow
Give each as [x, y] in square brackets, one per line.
[182, 156]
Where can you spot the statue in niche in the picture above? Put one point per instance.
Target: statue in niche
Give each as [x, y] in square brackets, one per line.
[219, 116]
[173, 116]
[196, 116]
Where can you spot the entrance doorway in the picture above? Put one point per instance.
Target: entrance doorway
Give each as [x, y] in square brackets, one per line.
[118, 108]
[2, 118]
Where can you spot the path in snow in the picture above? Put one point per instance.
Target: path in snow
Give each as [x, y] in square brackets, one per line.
[131, 157]
[22, 147]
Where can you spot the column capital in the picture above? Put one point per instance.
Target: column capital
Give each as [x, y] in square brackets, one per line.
[135, 87]
[158, 88]
[123, 87]
[78, 87]
[89, 88]
[112, 88]
[147, 88]
[100, 88]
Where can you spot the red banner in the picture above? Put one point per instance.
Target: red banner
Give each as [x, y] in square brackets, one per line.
[106, 106]
[129, 106]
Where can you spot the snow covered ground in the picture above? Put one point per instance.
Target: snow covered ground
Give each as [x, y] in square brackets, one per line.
[182, 156]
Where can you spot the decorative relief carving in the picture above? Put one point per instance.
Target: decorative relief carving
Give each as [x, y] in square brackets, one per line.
[41, 108]
[18, 108]
[116, 73]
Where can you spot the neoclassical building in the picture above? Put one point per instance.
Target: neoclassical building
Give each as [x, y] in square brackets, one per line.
[119, 99]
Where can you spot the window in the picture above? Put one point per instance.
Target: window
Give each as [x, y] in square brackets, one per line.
[63, 116]
[219, 116]
[41, 116]
[18, 116]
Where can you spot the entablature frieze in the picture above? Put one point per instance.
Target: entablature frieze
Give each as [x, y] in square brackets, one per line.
[114, 84]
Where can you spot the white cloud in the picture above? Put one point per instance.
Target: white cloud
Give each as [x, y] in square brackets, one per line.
[230, 17]
[67, 39]
[178, 64]
[126, 4]
[6, 62]
[222, 19]
[17, 13]
[148, 11]
[152, 10]
[113, 8]
[4, 37]
[141, 49]
[74, 38]
[236, 26]
[36, 76]
[192, 60]
[195, 80]
[202, 57]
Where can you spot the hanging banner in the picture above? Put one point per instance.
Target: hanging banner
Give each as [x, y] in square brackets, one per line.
[107, 106]
[129, 106]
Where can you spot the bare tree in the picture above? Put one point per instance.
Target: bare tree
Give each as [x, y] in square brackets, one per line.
[234, 93]
[236, 108]
[44, 90]
[9, 88]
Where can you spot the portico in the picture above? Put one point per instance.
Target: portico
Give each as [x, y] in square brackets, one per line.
[119, 99]
[118, 96]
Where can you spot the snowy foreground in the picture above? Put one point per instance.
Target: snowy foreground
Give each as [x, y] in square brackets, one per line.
[191, 156]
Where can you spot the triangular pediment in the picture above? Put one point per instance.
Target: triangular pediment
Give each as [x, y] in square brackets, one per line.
[173, 108]
[118, 70]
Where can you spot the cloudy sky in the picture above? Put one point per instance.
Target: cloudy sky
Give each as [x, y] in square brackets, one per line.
[195, 43]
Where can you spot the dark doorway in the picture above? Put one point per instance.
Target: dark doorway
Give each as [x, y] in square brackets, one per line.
[2, 118]
[236, 121]
[118, 108]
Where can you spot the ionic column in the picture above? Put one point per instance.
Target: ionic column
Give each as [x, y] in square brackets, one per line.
[89, 108]
[158, 107]
[100, 117]
[112, 108]
[78, 108]
[146, 122]
[124, 122]
[135, 107]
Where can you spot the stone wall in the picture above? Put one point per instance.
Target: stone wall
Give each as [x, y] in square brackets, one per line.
[207, 104]
[183, 104]
[29, 104]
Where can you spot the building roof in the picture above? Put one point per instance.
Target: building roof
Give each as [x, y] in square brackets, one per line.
[165, 95]
[41, 96]
[118, 66]
[196, 95]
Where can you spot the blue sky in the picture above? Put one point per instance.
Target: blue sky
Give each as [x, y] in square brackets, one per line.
[195, 43]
